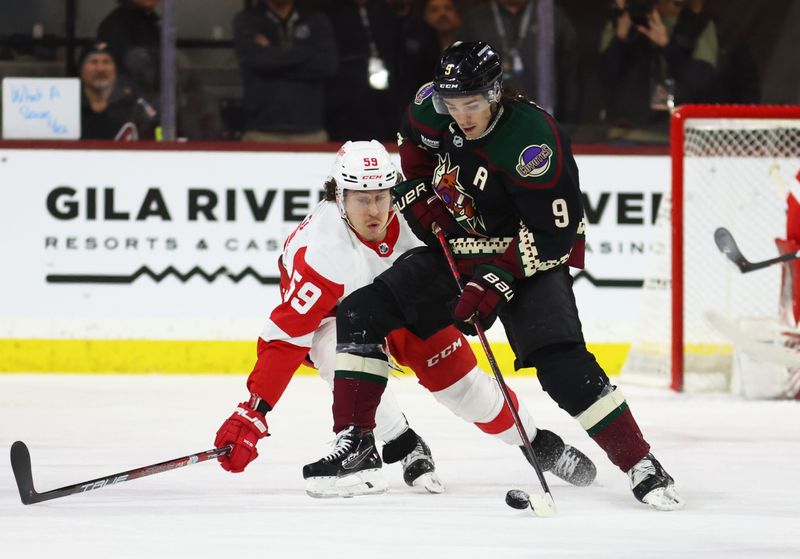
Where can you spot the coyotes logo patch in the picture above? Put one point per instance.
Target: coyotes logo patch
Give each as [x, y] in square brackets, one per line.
[461, 204]
[423, 93]
[534, 161]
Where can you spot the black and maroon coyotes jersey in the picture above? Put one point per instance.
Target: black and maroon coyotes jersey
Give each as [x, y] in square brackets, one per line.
[514, 190]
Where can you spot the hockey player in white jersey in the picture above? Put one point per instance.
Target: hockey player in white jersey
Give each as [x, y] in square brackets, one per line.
[347, 240]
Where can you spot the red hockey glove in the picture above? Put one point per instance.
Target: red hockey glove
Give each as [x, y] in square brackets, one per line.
[421, 208]
[483, 297]
[243, 429]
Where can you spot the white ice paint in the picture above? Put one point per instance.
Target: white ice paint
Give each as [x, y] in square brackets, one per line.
[734, 461]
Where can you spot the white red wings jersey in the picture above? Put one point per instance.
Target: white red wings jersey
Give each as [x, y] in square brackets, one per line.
[323, 261]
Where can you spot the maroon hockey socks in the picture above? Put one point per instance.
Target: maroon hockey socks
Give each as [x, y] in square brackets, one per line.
[611, 424]
[359, 382]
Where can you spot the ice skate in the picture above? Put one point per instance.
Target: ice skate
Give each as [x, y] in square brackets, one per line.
[652, 485]
[562, 460]
[414, 455]
[352, 468]
[419, 469]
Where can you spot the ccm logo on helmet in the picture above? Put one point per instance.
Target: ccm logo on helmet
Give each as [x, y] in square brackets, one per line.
[447, 86]
[371, 177]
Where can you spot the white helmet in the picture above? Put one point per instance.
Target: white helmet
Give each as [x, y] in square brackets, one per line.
[362, 166]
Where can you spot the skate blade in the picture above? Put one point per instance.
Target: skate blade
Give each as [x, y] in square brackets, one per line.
[664, 499]
[430, 482]
[543, 505]
[366, 482]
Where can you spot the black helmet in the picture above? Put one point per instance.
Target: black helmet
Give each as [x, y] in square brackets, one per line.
[467, 68]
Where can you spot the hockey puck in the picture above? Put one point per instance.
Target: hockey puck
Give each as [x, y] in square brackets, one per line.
[518, 499]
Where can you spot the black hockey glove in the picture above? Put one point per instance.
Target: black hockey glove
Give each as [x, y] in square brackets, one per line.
[483, 297]
[421, 208]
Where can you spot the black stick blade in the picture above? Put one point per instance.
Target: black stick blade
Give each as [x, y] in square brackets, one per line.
[727, 245]
[21, 465]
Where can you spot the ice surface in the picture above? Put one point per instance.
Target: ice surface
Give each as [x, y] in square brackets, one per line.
[735, 462]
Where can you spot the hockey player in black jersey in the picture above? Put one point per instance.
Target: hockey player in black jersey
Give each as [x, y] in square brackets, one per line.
[496, 174]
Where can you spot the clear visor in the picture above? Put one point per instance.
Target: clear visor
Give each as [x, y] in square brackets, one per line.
[468, 102]
[372, 201]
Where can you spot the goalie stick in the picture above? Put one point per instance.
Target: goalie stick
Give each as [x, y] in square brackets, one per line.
[541, 505]
[21, 464]
[727, 245]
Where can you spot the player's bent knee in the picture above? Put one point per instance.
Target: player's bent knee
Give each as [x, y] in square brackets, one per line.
[367, 315]
[475, 397]
[570, 375]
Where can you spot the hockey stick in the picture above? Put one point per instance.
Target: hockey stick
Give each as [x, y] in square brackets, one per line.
[727, 245]
[542, 505]
[21, 464]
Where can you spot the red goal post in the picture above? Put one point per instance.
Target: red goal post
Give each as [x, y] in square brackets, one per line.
[726, 161]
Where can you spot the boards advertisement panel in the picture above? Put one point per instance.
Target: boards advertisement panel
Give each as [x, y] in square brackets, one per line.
[179, 247]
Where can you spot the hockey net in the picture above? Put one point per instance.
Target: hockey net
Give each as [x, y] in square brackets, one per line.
[733, 167]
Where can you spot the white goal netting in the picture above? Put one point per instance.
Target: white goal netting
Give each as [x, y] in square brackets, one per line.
[737, 174]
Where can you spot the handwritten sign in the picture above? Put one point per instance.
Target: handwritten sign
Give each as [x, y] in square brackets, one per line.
[41, 108]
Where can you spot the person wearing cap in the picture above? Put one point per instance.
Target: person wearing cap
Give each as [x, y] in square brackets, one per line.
[109, 108]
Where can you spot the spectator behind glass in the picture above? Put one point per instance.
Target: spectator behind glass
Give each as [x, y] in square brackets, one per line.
[510, 25]
[285, 53]
[133, 35]
[362, 97]
[420, 46]
[654, 55]
[402, 8]
[443, 16]
[109, 109]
